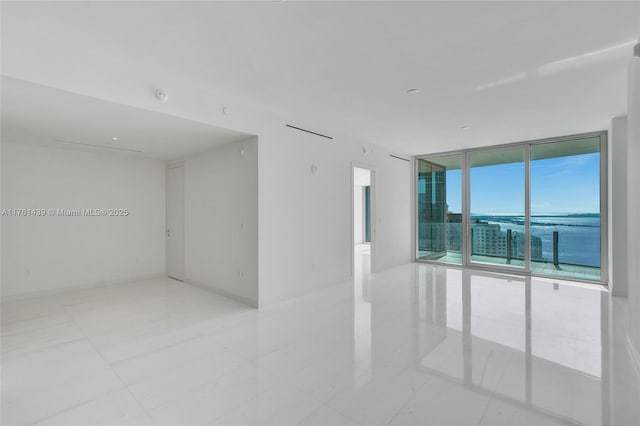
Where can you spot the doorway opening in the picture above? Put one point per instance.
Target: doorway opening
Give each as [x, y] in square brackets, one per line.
[363, 251]
[363, 221]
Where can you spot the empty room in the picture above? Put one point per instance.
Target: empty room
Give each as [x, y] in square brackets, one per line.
[320, 213]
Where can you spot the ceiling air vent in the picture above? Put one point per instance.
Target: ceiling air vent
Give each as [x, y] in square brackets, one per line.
[309, 131]
[115, 148]
[399, 158]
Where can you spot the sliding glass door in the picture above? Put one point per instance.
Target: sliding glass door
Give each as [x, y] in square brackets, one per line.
[565, 208]
[534, 207]
[497, 210]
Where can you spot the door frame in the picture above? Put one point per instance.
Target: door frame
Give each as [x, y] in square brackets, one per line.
[466, 216]
[170, 166]
[373, 216]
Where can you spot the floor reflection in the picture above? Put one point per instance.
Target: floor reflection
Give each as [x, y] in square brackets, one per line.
[412, 345]
[532, 344]
[362, 315]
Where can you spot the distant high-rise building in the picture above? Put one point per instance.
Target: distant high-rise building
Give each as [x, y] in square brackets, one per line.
[454, 232]
[432, 208]
[489, 239]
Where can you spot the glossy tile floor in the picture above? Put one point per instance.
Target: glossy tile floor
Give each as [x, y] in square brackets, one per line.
[413, 345]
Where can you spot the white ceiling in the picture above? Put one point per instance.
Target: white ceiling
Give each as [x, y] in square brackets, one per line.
[510, 71]
[42, 115]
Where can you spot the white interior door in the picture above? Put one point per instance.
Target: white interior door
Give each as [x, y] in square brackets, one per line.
[175, 222]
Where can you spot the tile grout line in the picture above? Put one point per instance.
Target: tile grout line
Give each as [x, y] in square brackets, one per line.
[110, 368]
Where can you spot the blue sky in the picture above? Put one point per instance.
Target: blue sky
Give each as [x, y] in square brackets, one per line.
[558, 185]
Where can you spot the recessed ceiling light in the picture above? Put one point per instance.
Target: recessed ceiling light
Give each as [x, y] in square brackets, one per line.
[413, 91]
[114, 138]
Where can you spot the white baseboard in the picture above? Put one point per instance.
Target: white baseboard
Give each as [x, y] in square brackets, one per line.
[43, 293]
[224, 293]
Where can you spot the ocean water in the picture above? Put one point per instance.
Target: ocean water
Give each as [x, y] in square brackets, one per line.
[578, 235]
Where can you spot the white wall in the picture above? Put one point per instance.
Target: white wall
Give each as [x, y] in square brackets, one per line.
[221, 220]
[618, 202]
[633, 189]
[42, 254]
[304, 219]
[394, 183]
[1, 206]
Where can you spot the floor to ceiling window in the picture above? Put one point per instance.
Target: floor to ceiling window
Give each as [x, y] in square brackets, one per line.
[440, 208]
[565, 208]
[533, 206]
[497, 206]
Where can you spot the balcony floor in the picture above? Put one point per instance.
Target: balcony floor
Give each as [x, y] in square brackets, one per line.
[563, 270]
